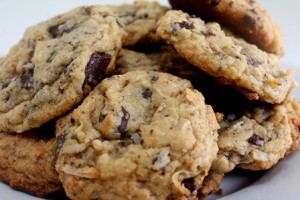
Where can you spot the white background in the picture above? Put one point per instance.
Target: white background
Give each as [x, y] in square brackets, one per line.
[282, 182]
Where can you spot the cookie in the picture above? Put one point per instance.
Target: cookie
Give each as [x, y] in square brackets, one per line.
[257, 74]
[247, 18]
[139, 20]
[27, 161]
[141, 135]
[55, 65]
[256, 141]
[241, 116]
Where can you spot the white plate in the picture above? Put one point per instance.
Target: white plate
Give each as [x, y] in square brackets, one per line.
[282, 182]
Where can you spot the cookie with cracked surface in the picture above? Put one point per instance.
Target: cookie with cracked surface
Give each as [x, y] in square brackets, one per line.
[55, 65]
[153, 126]
[247, 18]
[139, 20]
[257, 74]
[27, 161]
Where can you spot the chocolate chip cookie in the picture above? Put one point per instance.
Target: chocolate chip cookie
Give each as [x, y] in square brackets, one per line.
[257, 74]
[141, 135]
[55, 65]
[27, 161]
[139, 20]
[280, 127]
[256, 141]
[245, 17]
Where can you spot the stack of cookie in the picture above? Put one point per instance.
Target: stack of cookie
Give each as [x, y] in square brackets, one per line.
[140, 101]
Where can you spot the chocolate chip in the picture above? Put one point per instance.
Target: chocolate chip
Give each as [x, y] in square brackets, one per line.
[72, 120]
[124, 121]
[155, 159]
[189, 184]
[163, 171]
[96, 68]
[145, 16]
[26, 81]
[6, 84]
[214, 2]
[147, 93]
[60, 142]
[186, 25]
[253, 11]
[256, 140]
[101, 117]
[228, 155]
[53, 30]
[153, 79]
[248, 21]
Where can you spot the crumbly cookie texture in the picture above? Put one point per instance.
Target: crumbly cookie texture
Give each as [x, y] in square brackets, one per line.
[55, 65]
[27, 162]
[257, 74]
[245, 17]
[257, 140]
[139, 20]
[141, 135]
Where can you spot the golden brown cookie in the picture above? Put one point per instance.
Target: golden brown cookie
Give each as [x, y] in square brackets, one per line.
[140, 135]
[247, 18]
[27, 161]
[56, 64]
[257, 74]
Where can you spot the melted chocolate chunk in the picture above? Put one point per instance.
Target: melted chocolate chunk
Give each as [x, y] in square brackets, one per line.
[248, 21]
[96, 68]
[189, 184]
[186, 25]
[60, 142]
[26, 81]
[124, 121]
[214, 2]
[53, 30]
[256, 140]
[147, 93]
